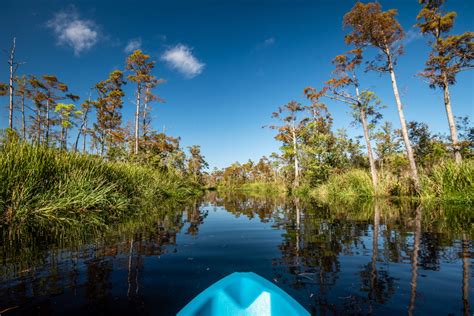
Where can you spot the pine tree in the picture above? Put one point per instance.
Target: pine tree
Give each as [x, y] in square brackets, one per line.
[140, 68]
[450, 55]
[45, 93]
[109, 103]
[373, 27]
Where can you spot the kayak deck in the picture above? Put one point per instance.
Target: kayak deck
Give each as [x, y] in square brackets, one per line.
[243, 294]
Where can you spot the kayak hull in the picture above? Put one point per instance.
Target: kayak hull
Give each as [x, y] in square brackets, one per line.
[243, 294]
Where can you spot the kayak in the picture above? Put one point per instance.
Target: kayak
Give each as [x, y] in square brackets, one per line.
[243, 294]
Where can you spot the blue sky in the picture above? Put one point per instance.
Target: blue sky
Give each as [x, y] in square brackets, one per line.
[228, 64]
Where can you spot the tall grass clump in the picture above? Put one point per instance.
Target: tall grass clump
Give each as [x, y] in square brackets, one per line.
[450, 181]
[354, 184]
[42, 186]
[393, 185]
[446, 181]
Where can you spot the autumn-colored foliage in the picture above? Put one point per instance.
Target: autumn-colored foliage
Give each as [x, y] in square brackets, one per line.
[450, 55]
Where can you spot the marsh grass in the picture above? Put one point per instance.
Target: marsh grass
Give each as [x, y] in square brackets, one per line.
[352, 185]
[450, 181]
[255, 188]
[446, 182]
[43, 186]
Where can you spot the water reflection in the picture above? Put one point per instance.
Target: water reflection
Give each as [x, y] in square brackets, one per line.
[465, 255]
[381, 257]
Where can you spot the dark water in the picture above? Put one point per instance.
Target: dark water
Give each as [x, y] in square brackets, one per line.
[375, 258]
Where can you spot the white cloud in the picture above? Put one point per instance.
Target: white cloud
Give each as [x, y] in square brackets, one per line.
[268, 42]
[133, 44]
[73, 31]
[181, 58]
[411, 36]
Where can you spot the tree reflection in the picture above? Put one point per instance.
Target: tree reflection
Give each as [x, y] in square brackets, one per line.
[98, 283]
[317, 238]
[378, 284]
[414, 261]
[195, 217]
[335, 259]
[466, 256]
[82, 261]
[240, 204]
[311, 248]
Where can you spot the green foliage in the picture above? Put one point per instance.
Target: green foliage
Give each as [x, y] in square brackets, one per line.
[354, 184]
[41, 186]
[3, 89]
[450, 181]
[447, 181]
[265, 172]
[196, 163]
[107, 132]
[46, 92]
[370, 26]
[396, 182]
[140, 69]
[450, 54]
[466, 136]
[427, 148]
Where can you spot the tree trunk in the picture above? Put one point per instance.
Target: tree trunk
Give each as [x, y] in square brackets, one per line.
[403, 123]
[145, 109]
[451, 122]
[11, 63]
[84, 137]
[296, 184]
[373, 169]
[38, 122]
[82, 130]
[144, 124]
[23, 118]
[414, 261]
[63, 137]
[79, 132]
[76, 143]
[298, 235]
[363, 119]
[102, 147]
[47, 123]
[137, 118]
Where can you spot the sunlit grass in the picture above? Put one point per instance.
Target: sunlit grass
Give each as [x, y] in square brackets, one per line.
[446, 181]
[44, 186]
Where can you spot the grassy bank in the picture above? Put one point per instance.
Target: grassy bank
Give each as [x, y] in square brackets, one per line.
[264, 188]
[446, 181]
[41, 186]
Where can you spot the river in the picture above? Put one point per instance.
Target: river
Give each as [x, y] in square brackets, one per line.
[379, 257]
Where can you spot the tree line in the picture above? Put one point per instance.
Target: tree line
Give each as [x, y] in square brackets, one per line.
[43, 111]
[311, 150]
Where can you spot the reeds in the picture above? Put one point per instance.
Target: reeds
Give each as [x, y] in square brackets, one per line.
[354, 184]
[450, 181]
[45, 186]
[446, 181]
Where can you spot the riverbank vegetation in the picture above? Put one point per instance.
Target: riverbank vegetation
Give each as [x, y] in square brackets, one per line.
[316, 240]
[67, 158]
[318, 160]
[65, 163]
[43, 186]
